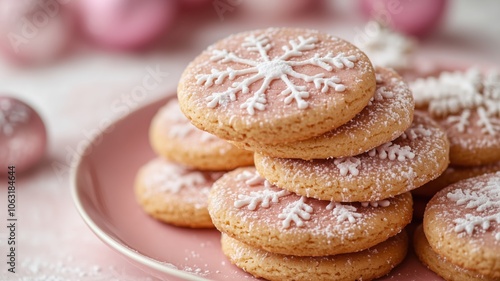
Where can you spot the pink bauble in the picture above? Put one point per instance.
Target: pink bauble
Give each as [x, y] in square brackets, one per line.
[35, 31]
[412, 17]
[23, 138]
[194, 4]
[274, 8]
[126, 24]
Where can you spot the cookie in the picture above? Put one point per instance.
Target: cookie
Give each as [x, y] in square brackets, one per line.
[452, 175]
[440, 265]
[173, 137]
[248, 208]
[369, 264]
[388, 114]
[467, 105]
[276, 85]
[413, 159]
[175, 194]
[388, 48]
[461, 223]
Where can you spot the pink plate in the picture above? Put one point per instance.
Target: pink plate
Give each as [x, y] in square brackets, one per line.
[102, 186]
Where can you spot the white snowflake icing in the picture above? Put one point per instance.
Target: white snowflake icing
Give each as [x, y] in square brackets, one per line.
[344, 212]
[415, 132]
[296, 212]
[381, 94]
[392, 151]
[11, 116]
[251, 179]
[268, 69]
[263, 197]
[347, 165]
[488, 125]
[456, 95]
[387, 48]
[381, 203]
[484, 199]
[461, 122]
[182, 127]
[172, 178]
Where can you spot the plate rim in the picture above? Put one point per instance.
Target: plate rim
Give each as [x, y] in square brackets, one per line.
[124, 250]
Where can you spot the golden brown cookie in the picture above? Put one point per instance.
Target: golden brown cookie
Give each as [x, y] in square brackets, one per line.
[467, 105]
[461, 223]
[174, 194]
[369, 264]
[387, 116]
[413, 159]
[440, 265]
[248, 208]
[174, 138]
[276, 85]
[452, 175]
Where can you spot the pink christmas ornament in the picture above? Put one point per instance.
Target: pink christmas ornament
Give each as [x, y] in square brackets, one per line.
[126, 24]
[35, 31]
[417, 18]
[194, 4]
[23, 138]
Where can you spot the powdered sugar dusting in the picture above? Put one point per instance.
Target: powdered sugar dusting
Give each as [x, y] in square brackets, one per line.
[388, 170]
[294, 210]
[484, 199]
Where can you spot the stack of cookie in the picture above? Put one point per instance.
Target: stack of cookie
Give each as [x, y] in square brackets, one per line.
[336, 153]
[467, 105]
[174, 187]
[460, 237]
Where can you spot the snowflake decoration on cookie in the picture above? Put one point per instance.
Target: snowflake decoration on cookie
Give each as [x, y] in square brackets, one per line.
[296, 212]
[485, 199]
[381, 203]
[392, 151]
[263, 197]
[388, 48]
[458, 96]
[415, 132]
[182, 127]
[11, 116]
[269, 69]
[347, 165]
[172, 178]
[344, 212]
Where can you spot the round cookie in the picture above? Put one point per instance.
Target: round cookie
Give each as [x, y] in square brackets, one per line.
[453, 175]
[174, 194]
[467, 105]
[440, 265]
[461, 223]
[276, 85]
[246, 207]
[174, 138]
[369, 264]
[415, 158]
[388, 114]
